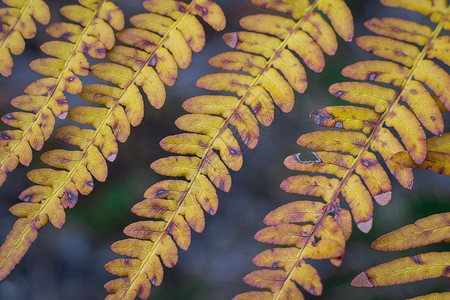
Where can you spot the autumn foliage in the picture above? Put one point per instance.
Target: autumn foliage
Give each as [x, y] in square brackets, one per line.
[390, 123]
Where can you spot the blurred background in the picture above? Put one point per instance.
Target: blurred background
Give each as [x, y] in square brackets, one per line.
[68, 263]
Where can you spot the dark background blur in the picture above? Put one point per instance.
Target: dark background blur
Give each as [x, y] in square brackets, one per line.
[68, 263]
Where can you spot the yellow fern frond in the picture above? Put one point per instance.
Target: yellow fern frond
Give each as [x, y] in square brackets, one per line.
[44, 98]
[16, 24]
[432, 229]
[346, 154]
[147, 63]
[210, 148]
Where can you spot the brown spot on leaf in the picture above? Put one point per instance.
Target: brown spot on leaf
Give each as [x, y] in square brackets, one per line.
[234, 152]
[362, 280]
[101, 51]
[203, 10]
[170, 227]
[321, 117]
[4, 136]
[66, 35]
[257, 108]
[181, 7]
[153, 61]
[27, 198]
[85, 48]
[231, 39]
[365, 226]
[383, 198]
[161, 193]
[446, 272]
[399, 53]
[372, 76]
[416, 259]
[368, 162]
[112, 157]
[338, 94]
[72, 198]
[312, 291]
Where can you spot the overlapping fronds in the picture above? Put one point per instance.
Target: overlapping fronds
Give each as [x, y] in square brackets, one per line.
[171, 26]
[266, 52]
[345, 165]
[16, 24]
[432, 229]
[437, 159]
[45, 97]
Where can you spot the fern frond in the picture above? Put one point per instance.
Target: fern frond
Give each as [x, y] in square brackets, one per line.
[45, 97]
[345, 156]
[210, 147]
[57, 189]
[432, 229]
[16, 24]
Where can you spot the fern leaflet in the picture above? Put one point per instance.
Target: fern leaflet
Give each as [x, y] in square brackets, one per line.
[319, 229]
[169, 26]
[432, 229]
[210, 148]
[16, 24]
[44, 97]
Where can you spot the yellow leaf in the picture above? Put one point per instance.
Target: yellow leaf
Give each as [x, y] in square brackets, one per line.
[435, 78]
[424, 7]
[432, 229]
[345, 117]
[440, 49]
[277, 258]
[378, 71]
[308, 278]
[321, 32]
[375, 178]
[334, 140]
[360, 202]
[403, 174]
[295, 8]
[340, 17]
[410, 131]
[319, 186]
[400, 29]
[439, 143]
[390, 49]
[295, 212]
[363, 93]
[405, 270]
[77, 13]
[423, 106]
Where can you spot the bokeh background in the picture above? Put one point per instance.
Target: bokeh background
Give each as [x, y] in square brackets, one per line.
[68, 264]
